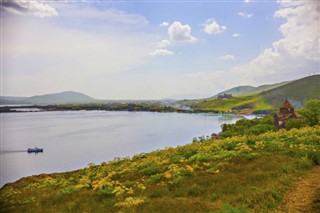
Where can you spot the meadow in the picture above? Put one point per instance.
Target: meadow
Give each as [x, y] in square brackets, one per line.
[237, 174]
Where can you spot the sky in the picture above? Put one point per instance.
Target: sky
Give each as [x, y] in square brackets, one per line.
[155, 49]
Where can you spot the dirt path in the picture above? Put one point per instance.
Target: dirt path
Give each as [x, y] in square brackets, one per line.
[302, 195]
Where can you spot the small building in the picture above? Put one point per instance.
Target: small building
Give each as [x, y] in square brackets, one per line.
[286, 112]
[224, 96]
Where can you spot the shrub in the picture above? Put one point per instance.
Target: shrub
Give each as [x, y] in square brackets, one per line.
[295, 123]
[214, 197]
[150, 169]
[155, 178]
[68, 190]
[106, 192]
[311, 111]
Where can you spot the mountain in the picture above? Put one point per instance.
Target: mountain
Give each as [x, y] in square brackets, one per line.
[68, 97]
[249, 90]
[297, 92]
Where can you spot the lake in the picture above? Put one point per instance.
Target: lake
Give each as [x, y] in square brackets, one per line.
[73, 139]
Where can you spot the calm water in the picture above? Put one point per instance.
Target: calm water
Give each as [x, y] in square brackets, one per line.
[71, 140]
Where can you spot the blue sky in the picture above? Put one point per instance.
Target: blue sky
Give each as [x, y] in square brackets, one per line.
[154, 50]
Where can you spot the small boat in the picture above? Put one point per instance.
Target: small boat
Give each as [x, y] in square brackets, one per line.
[35, 150]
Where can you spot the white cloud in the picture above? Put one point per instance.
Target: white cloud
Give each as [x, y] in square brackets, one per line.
[246, 1]
[245, 15]
[235, 35]
[26, 7]
[180, 33]
[299, 47]
[163, 43]
[106, 16]
[212, 27]
[164, 24]
[294, 56]
[162, 52]
[227, 57]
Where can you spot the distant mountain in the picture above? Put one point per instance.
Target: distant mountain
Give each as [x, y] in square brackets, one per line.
[68, 97]
[249, 90]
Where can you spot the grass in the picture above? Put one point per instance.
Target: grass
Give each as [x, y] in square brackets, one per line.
[297, 91]
[253, 102]
[236, 174]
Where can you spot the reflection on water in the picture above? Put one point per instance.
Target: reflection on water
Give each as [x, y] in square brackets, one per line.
[71, 140]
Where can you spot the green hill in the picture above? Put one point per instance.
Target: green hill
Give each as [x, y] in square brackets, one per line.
[249, 90]
[296, 91]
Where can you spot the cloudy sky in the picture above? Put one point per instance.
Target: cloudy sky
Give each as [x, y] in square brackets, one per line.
[153, 50]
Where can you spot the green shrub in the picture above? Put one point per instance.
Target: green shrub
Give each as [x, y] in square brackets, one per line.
[150, 169]
[295, 123]
[155, 178]
[68, 190]
[214, 197]
[106, 192]
[311, 112]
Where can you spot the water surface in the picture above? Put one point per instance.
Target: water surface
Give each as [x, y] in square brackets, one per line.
[73, 139]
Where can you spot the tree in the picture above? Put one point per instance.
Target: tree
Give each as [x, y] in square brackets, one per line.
[295, 123]
[311, 112]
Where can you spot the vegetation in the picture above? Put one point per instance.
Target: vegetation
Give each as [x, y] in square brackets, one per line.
[199, 177]
[148, 107]
[250, 90]
[248, 127]
[245, 104]
[263, 102]
[297, 91]
[311, 112]
[208, 175]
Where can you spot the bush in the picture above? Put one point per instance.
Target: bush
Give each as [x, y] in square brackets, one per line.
[151, 169]
[311, 111]
[295, 123]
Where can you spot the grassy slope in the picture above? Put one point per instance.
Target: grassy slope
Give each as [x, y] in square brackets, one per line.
[250, 90]
[257, 101]
[297, 91]
[199, 177]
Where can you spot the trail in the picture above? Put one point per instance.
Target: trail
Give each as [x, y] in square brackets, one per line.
[302, 196]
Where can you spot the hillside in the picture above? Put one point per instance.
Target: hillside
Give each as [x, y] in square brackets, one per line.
[207, 176]
[68, 97]
[297, 92]
[250, 90]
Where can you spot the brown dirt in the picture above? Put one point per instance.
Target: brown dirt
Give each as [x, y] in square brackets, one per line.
[304, 196]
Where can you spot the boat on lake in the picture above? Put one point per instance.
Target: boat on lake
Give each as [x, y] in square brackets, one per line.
[35, 150]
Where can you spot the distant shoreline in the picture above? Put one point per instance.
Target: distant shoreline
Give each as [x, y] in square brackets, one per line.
[111, 107]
